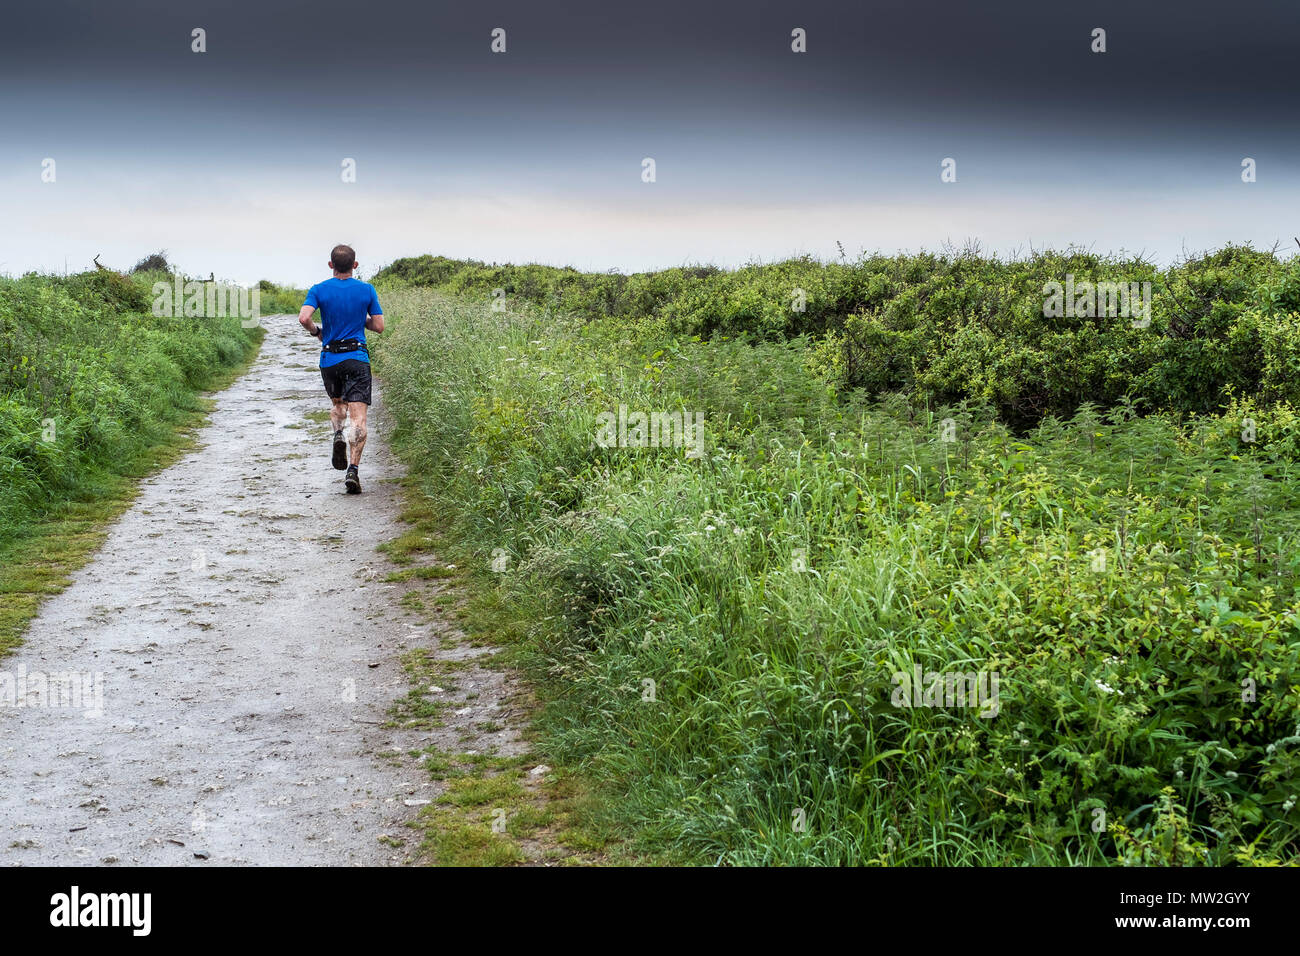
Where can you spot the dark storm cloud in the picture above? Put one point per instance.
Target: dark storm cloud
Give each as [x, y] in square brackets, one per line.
[537, 153]
[1027, 63]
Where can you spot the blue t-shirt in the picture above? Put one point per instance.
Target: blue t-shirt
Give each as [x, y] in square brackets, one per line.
[344, 305]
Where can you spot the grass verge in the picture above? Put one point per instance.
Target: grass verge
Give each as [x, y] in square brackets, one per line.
[66, 493]
[493, 808]
[1104, 611]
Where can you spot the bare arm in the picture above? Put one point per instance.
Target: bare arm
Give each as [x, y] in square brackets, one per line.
[304, 319]
[375, 323]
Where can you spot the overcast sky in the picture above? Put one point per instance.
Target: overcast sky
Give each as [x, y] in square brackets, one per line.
[231, 159]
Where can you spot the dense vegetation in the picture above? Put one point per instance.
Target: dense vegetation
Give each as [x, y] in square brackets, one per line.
[277, 300]
[943, 329]
[91, 385]
[1130, 578]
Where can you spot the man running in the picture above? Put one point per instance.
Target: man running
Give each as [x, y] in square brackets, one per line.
[348, 307]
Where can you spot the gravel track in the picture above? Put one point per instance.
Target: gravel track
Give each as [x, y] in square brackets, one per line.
[248, 650]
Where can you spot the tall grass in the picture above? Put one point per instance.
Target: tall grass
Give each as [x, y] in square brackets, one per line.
[91, 387]
[1131, 580]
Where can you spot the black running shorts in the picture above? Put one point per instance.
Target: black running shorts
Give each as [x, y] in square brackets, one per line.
[348, 380]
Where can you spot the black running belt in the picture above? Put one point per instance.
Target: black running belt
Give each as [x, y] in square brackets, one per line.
[345, 345]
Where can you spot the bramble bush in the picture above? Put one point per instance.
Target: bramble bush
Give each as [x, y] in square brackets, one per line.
[960, 326]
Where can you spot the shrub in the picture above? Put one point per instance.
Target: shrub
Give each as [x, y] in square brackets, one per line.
[954, 327]
[155, 262]
[773, 588]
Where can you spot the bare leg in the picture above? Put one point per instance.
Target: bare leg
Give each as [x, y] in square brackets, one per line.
[338, 413]
[357, 413]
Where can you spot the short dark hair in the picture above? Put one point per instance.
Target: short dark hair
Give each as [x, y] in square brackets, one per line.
[343, 258]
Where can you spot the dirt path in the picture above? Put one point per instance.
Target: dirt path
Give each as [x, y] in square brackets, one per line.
[249, 650]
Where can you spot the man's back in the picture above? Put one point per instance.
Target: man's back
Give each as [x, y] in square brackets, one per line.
[347, 308]
[344, 305]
